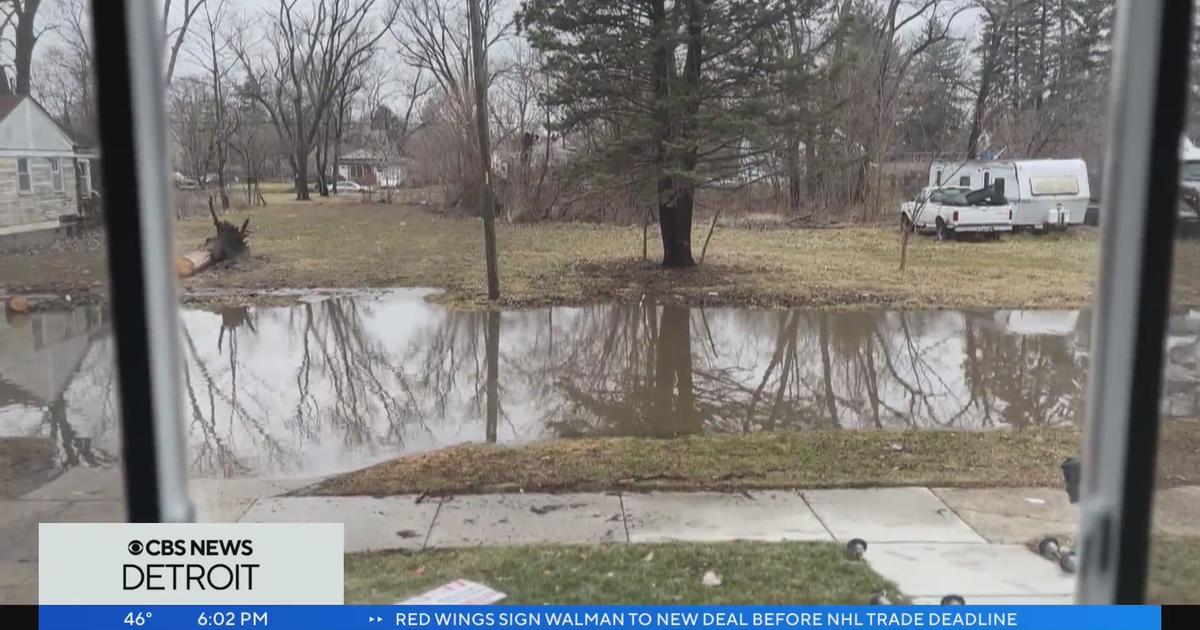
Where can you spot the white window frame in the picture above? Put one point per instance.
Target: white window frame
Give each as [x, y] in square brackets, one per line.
[1053, 185]
[85, 178]
[56, 174]
[24, 176]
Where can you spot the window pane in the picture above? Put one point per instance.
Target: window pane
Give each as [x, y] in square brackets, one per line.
[1054, 185]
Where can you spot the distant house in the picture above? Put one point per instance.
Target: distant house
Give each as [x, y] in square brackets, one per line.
[370, 169]
[44, 176]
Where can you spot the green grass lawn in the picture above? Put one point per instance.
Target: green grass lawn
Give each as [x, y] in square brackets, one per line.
[1174, 576]
[751, 573]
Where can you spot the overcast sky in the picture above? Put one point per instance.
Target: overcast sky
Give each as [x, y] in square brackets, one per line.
[966, 25]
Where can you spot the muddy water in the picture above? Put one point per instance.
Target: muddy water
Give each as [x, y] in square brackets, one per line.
[336, 383]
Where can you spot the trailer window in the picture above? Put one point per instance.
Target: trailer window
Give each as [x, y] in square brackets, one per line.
[965, 180]
[939, 177]
[1056, 185]
[987, 179]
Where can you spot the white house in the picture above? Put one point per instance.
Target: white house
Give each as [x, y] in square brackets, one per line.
[371, 169]
[43, 175]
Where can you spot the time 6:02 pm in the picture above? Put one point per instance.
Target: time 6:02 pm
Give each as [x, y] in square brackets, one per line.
[231, 619]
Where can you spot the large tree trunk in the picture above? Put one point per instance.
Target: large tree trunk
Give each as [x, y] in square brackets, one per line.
[793, 174]
[675, 223]
[487, 204]
[811, 180]
[676, 194]
[24, 41]
[301, 161]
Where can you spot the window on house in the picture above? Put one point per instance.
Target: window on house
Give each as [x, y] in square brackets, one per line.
[965, 180]
[56, 176]
[23, 180]
[85, 179]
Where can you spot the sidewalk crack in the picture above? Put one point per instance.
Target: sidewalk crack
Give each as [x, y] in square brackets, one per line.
[624, 515]
[432, 524]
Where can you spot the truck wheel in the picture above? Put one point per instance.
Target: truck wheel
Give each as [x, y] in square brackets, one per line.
[944, 233]
[905, 223]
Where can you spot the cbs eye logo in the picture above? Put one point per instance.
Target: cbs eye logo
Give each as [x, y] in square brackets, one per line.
[156, 547]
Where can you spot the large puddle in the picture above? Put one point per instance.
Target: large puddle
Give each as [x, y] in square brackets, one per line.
[337, 383]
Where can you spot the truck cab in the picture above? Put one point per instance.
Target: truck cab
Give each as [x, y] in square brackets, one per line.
[949, 211]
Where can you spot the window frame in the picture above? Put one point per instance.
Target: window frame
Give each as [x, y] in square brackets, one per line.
[84, 173]
[56, 174]
[24, 176]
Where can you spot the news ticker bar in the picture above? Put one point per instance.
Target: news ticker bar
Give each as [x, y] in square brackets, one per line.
[125, 617]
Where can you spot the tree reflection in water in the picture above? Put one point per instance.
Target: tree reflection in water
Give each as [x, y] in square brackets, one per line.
[342, 382]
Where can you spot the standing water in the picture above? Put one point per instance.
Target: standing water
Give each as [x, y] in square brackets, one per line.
[336, 383]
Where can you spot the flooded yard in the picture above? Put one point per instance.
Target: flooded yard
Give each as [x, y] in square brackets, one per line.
[334, 383]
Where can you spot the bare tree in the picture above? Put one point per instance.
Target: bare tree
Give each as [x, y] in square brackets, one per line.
[218, 63]
[64, 71]
[387, 132]
[307, 59]
[21, 14]
[191, 120]
[434, 38]
[487, 208]
[175, 36]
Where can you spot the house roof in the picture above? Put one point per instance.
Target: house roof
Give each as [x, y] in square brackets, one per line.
[9, 102]
[360, 154]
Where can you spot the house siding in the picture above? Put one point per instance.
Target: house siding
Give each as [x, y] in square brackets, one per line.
[42, 203]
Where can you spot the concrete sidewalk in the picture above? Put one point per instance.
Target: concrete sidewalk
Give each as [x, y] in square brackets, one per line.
[930, 542]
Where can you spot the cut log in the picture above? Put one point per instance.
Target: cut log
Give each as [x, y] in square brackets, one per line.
[229, 242]
[193, 263]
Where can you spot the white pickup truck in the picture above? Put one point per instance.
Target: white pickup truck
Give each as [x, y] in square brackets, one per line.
[948, 211]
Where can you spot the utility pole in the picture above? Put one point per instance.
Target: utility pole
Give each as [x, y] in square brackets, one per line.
[488, 208]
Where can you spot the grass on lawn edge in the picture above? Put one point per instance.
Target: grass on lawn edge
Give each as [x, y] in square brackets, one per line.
[647, 574]
[806, 459]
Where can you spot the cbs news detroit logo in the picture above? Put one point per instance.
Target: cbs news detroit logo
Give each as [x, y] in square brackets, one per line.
[212, 564]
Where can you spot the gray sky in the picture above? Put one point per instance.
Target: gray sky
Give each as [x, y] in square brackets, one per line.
[966, 25]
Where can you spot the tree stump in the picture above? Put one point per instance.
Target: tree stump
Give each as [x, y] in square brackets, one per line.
[230, 242]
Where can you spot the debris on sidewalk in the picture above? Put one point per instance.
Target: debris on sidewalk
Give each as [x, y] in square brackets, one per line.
[458, 592]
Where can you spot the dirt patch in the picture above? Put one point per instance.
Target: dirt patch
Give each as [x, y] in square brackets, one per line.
[25, 465]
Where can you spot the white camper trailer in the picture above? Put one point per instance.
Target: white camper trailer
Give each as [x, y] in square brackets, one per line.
[1043, 193]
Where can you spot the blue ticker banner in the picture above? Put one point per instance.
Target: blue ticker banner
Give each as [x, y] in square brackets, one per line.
[125, 617]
